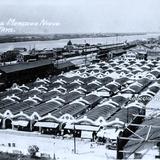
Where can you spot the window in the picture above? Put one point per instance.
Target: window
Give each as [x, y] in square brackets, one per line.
[13, 145]
[9, 144]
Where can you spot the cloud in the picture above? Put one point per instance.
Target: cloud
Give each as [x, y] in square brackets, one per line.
[82, 16]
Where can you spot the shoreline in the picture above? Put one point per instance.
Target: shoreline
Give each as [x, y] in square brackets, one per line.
[26, 38]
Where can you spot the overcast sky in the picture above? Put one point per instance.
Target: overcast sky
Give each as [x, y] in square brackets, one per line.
[84, 16]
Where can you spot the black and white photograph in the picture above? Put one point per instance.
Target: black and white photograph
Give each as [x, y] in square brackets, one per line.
[79, 79]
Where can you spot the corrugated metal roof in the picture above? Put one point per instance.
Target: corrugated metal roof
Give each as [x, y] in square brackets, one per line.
[24, 66]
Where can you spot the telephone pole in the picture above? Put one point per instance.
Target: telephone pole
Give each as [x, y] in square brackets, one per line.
[74, 137]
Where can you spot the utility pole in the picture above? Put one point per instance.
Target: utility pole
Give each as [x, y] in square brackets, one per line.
[74, 137]
[127, 114]
[54, 155]
[116, 38]
[85, 59]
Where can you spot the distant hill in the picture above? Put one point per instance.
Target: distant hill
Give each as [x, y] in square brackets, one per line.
[41, 37]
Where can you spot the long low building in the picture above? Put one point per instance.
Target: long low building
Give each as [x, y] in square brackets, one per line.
[29, 71]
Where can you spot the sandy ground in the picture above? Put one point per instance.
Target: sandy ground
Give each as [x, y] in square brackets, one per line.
[62, 148]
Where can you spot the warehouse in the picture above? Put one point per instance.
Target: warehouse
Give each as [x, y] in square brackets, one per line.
[29, 71]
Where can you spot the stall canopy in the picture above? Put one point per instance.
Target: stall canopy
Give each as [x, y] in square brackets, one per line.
[87, 134]
[82, 127]
[46, 124]
[20, 123]
[110, 133]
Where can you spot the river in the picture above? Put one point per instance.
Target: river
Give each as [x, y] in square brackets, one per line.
[60, 43]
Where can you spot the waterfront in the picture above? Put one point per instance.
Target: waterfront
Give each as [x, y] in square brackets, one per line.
[61, 43]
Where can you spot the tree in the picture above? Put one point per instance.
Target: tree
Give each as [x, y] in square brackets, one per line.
[33, 150]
